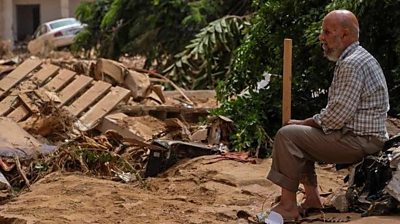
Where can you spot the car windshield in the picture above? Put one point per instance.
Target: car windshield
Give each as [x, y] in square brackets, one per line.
[62, 23]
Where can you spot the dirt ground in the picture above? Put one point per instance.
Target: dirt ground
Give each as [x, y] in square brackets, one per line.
[200, 190]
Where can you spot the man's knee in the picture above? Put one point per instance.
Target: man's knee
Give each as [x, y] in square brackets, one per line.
[288, 131]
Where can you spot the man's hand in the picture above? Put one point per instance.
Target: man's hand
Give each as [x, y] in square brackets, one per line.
[307, 122]
[295, 122]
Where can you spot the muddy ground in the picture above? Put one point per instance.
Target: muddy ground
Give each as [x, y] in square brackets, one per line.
[200, 190]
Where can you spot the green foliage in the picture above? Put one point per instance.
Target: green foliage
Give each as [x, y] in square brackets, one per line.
[90, 13]
[262, 51]
[154, 29]
[206, 59]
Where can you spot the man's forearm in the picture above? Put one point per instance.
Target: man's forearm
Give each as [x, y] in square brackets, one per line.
[308, 122]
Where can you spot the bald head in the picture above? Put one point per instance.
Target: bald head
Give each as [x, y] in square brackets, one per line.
[346, 20]
[339, 30]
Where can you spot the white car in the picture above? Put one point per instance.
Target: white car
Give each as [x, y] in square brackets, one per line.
[54, 34]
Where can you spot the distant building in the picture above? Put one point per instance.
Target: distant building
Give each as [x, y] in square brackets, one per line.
[20, 18]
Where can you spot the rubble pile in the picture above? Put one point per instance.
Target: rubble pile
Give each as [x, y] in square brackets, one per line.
[100, 118]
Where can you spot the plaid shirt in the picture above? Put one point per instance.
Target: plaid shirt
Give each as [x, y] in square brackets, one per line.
[358, 98]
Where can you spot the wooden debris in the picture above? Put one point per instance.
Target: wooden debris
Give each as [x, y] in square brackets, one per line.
[21, 172]
[88, 98]
[93, 117]
[109, 71]
[28, 103]
[116, 73]
[167, 80]
[157, 89]
[32, 84]
[17, 75]
[220, 127]
[184, 128]
[138, 83]
[166, 111]
[73, 89]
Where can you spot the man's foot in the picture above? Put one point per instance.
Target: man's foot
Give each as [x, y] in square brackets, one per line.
[316, 205]
[312, 198]
[306, 208]
[288, 212]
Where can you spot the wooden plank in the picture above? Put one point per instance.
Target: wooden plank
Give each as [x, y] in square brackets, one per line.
[103, 107]
[60, 80]
[74, 88]
[138, 109]
[41, 94]
[19, 113]
[202, 94]
[6, 103]
[287, 81]
[18, 74]
[89, 97]
[43, 74]
[28, 103]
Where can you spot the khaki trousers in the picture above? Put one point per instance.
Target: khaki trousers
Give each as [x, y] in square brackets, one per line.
[297, 147]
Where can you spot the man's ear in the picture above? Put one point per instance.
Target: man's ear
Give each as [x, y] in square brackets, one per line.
[346, 33]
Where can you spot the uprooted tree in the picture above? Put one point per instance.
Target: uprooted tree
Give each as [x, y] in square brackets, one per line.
[234, 43]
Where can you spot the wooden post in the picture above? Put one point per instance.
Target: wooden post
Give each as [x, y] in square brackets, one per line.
[287, 81]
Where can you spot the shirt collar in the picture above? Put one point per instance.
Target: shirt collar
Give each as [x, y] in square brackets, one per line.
[350, 49]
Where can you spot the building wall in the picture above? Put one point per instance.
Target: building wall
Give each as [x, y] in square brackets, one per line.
[6, 20]
[1, 20]
[73, 4]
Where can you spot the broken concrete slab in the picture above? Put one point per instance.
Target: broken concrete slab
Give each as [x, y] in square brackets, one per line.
[142, 128]
[200, 135]
[17, 142]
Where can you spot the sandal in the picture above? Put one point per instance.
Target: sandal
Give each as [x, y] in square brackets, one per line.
[305, 212]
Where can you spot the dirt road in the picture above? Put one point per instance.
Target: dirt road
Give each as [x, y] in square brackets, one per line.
[195, 191]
